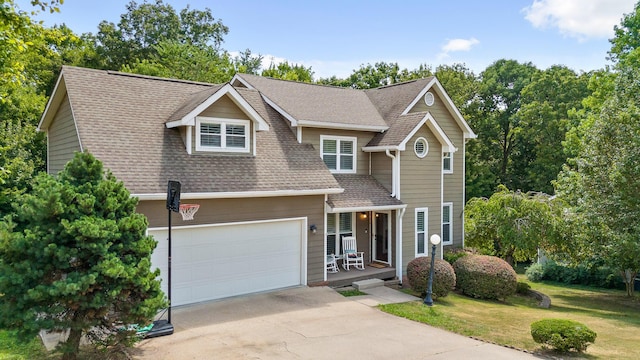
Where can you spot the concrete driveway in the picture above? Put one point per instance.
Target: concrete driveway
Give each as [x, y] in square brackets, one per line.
[307, 323]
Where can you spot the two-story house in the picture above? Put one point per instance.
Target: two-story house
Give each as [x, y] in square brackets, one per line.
[281, 171]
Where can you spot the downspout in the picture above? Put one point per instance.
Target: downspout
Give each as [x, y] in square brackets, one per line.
[393, 173]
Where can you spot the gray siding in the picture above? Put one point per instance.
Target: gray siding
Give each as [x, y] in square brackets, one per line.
[453, 183]
[420, 187]
[62, 137]
[381, 169]
[312, 136]
[216, 211]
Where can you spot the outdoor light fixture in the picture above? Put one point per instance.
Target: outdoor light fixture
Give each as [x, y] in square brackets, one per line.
[313, 228]
[363, 215]
[434, 240]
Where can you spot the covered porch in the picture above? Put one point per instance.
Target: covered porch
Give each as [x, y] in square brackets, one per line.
[346, 278]
[367, 212]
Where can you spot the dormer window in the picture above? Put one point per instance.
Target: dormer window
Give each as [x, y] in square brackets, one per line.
[223, 135]
[338, 153]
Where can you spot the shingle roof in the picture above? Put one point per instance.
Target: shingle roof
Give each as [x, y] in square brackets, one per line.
[318, 103]
[391, 101]
[362, 192]
[121, 120]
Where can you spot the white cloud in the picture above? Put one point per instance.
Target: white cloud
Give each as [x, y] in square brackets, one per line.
[459, 45]
[455, 45]
[578, 18]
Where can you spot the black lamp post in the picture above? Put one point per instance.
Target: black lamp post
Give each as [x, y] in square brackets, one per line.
[434, 240]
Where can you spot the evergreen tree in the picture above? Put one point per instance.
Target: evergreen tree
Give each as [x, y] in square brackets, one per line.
[75, 257]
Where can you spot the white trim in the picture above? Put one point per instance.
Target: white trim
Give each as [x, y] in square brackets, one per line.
[450, 170]
[379, 148]
[398, 173]
[338, 140]
[227, 89]
[239, 195]
[331, 210]
[464, 187]
[426, 147]
[299, 134]
[457, 116]
[342, 126]
[324, 248]
[55, 97]
[425, 231]
[223, 124]
[188, 142]
[303, 236]
[243, 81]
[450, 241]
[280, 110]
[447, 145]
[399, 266]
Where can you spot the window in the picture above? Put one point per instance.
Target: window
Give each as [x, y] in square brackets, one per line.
[447, 161]
[421, 147]
[338, 153]
[338, 226]
[421, 231]
[447, 224]
[229, 135]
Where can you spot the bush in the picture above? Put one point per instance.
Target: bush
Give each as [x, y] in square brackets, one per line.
[598, 276]
[451, 256]
[444, 278]
[523, 288]
[485, 277]
[562, 335]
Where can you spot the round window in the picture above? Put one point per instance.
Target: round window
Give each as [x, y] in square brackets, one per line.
[429, 99]
[421, 147]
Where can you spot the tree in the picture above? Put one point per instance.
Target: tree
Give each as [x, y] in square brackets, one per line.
[18, 31]
[76, 257]
[286, 71]
[380, 74]
[627, 37]
[247, 63]
[498, 122]
[547, 104]
[185, 61]
[145, 25]
[510, 225]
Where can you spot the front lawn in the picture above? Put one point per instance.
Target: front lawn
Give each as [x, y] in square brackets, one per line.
[613, 316]
[11, 349]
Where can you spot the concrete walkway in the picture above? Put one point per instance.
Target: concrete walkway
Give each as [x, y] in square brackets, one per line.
[310, 323]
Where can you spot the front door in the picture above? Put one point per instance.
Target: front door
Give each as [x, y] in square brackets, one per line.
[381, 238]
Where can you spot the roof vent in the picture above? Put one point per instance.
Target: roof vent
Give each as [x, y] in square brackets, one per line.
[429, 99]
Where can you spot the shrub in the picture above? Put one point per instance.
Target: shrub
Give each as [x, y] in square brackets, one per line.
[523, 288]
[599, 276]
[485, 277]
[562, 335]
[535, 272]
[451, 256]
[444, 278]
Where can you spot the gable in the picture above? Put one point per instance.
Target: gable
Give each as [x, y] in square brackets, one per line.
[224, 107]
[62, 137]
[441, 103]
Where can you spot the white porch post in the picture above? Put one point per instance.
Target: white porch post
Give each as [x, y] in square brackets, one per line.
[399, 266]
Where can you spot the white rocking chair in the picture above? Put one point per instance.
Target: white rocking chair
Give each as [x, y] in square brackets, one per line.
[350, 254]
[332, 264]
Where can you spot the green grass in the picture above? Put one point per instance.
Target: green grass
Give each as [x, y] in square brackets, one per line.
[612, 315]
[353, 292]
[12, 349]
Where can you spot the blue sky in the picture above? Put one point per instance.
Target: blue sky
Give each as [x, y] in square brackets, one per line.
[335, 37]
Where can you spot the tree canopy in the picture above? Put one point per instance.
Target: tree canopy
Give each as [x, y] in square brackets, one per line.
[75, 256]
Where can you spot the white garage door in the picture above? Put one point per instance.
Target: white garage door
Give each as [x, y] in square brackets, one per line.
[218, 261]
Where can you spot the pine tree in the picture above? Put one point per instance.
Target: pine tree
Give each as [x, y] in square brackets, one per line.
[75, 257]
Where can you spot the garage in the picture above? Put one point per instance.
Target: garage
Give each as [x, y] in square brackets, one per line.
[216, 261]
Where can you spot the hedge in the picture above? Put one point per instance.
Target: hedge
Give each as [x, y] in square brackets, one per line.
[485, 277]
[444, 278]
[562, 335]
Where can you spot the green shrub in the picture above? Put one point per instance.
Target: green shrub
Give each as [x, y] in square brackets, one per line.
[444, 278]
[523, 288]
[535, 272]
[562, 335]
[451, 256]
[598, 276]
[485, 277]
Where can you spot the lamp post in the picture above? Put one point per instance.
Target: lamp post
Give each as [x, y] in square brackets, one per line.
[434, 240]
